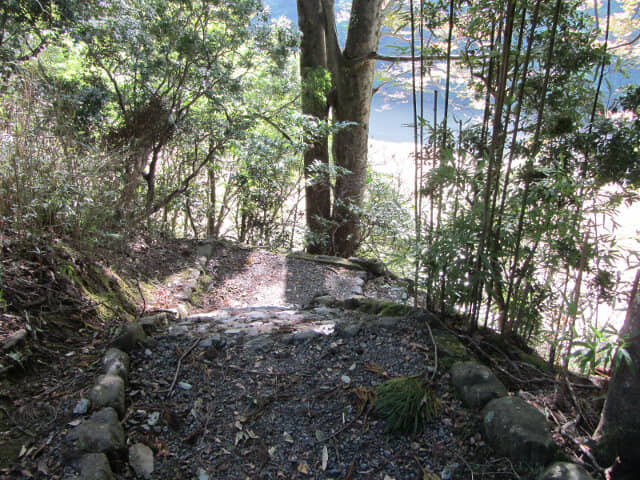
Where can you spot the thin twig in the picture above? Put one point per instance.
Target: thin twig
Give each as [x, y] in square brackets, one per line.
[144, 301]
[467, 464]
[435, 353]
[175, 377]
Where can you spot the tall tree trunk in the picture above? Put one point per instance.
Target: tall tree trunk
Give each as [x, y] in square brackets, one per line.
[353, 71]
[314, 73]
[352, 76]
[618, 434]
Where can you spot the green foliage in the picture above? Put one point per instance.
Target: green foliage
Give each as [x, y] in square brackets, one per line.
[406, 404]
[316, 87]
[605, 349]
[387, 225]
[28, 26]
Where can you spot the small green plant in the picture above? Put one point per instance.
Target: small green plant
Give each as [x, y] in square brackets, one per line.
[406, 404]
[3, 303]
[67, 270]
[604, 348]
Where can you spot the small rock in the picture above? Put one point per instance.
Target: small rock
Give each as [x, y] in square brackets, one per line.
[177, 330]
[202, 474]
[476, 384]
[348, 330]
[131, 335]
[300, 338]
[95, 466]
[564, 471]
[109, 392]
[185, 385]
[81, 407]
[141, 460]
[153, 418]
[116, 362]
[345, 379]
[102, 433]
[356, 290]
[448, 471]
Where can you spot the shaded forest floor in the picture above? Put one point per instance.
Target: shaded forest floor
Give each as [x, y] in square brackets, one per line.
[245, 407]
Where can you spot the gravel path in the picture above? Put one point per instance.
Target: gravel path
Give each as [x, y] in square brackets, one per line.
[260, 397]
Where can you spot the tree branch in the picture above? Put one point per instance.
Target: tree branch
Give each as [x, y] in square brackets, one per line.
[393, 59]
[184, 185]
[334, 54]
[627, 44]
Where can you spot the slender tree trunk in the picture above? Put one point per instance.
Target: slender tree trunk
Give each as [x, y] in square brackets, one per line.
[532, 154]
[211, 210]
[417, 157]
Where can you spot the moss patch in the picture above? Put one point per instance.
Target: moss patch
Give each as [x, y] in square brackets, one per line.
[450, 349]
[111, 295]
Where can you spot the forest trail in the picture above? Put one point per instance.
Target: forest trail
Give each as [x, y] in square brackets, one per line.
[263, 365]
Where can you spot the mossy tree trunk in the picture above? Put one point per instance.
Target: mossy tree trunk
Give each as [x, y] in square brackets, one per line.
[351, 70]
[315, 88]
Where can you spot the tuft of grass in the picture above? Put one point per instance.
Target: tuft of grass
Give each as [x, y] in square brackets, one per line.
[406, 404]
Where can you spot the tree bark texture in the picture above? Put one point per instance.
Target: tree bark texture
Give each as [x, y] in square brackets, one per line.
[352, 72]
[313, 64]
[618, 434]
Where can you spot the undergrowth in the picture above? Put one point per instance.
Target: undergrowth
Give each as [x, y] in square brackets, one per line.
[406, 404]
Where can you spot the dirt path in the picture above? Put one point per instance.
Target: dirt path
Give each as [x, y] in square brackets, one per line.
[269, 384]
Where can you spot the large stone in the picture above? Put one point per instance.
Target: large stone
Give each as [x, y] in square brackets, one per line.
[141, 460]
[132, 334]
[116, 362]
[517, 430]
[95, 466]
[109, 392]
[102, 433]
[564, 471]
[476, 384]
[450, 348]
